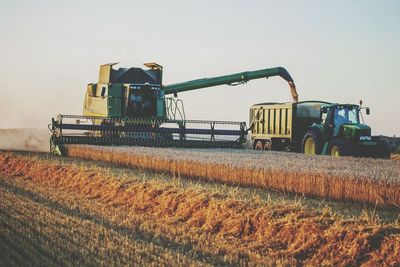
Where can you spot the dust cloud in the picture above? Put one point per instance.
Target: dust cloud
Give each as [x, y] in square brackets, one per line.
[26, 139]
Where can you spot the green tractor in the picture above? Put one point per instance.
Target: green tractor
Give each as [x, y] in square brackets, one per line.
[340, 133]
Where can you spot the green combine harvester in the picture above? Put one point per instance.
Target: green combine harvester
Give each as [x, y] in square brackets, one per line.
[130, 106]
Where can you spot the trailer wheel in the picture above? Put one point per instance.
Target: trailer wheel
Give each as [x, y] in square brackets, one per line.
[267, 146]
[312, 142]
[339, 147]
[259, 146]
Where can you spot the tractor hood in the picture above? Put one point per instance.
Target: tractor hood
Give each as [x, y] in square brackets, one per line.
[356, 130]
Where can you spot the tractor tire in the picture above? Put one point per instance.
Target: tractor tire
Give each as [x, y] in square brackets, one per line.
[340, 147]
[382, 150]
[258, 145]
[312, 142]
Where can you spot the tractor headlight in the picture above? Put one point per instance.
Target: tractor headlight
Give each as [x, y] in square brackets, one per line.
[365, 138]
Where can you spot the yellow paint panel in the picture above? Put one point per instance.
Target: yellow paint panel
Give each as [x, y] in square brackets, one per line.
[275, 121]
[263, 125]
[104, 73]
[95, 105]
[271, 121]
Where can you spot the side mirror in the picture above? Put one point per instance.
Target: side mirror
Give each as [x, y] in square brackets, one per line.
[367, 111]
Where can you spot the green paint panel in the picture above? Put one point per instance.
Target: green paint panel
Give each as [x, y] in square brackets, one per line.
[161, 113]
[231, 79]
[115, 100]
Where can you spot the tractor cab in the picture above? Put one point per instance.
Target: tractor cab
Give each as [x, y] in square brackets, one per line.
[343, 120]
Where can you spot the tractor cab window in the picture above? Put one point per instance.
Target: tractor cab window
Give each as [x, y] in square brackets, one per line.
[344, 115]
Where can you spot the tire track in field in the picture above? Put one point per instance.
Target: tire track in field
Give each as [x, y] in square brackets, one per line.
[134, 235]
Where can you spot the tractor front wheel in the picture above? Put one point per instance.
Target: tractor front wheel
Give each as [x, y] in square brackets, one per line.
[339, 147]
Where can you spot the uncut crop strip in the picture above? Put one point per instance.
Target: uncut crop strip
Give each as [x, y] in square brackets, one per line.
[241, 232]
[345, 179]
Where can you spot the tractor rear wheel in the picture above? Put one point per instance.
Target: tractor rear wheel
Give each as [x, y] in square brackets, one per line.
[312, 142]
[259, 146]
[339, 147]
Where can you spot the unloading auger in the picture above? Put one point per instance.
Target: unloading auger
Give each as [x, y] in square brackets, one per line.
[129, 106]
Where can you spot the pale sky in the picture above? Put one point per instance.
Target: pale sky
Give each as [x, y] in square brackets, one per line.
[336, 51]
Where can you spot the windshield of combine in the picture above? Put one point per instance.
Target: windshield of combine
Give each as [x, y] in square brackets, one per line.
[346, 114]
[142, 103]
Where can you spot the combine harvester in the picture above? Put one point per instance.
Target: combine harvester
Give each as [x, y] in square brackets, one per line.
[129, 106]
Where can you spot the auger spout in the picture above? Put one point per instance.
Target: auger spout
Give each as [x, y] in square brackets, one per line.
[233, 79]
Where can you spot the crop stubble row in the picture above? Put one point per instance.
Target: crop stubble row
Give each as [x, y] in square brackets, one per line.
[213, 224]
[344, 179]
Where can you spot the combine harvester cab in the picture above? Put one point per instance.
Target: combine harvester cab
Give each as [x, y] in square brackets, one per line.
[128, 106]
[314, 127]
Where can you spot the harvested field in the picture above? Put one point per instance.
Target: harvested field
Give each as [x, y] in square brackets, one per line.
[207, 228]
[345, 179]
